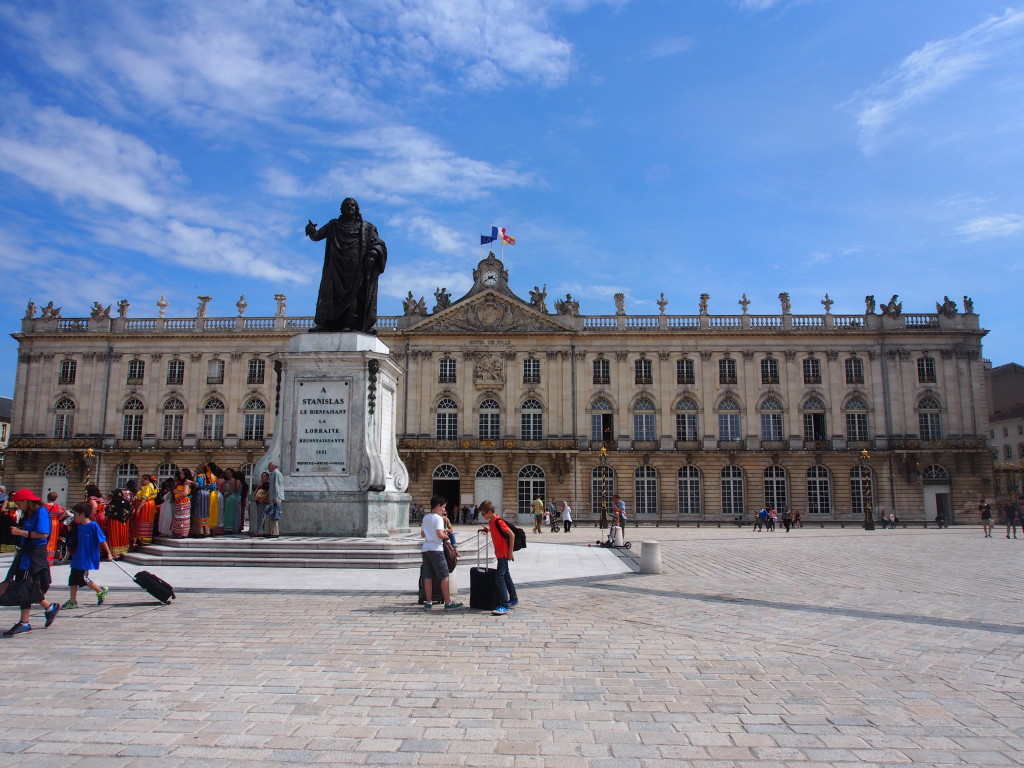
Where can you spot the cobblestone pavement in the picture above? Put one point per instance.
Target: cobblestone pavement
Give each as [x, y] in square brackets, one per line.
[831, 647]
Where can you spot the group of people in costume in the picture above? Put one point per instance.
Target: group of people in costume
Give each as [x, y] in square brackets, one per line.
[209, 502]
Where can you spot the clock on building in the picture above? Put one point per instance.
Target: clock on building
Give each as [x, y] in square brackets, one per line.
[490, 277]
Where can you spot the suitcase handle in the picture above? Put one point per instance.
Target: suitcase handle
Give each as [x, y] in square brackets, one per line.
[486, 548]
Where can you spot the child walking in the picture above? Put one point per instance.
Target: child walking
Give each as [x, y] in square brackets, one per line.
[88, 541]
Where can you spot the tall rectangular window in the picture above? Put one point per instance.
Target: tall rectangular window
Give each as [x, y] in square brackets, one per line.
[531, 371]
[686, 427]
[857, 427]
[215, 372]
[642, 370]
[732, 491]
[68, 370]
[446, 371]
[252, 427]
[602, 372]
[601, 427]
[926, 370]
[131, 426]
[684, 372]
[176, 372]
[930, 426]
[812, 370]
[854, 371]
[728, 426]
[645, 488]
[769, 371]
[172, 426]
[727, 371]
[136, 371]
[63, 425]
[257, 371]
[689, 490]
[533, 426]
[771, 426]
[814, 427]
[643, 426]
[213, 426]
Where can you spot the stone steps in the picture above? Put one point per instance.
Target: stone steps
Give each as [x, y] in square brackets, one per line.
[287, 552]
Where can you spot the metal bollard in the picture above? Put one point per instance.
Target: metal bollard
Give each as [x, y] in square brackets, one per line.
[650, 557]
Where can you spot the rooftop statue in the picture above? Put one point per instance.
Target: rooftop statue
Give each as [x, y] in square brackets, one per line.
[354, 258]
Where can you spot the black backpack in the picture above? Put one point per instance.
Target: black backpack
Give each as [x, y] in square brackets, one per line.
[518, 534]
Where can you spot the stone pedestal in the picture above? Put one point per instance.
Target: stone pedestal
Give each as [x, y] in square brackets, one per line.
[334, 439]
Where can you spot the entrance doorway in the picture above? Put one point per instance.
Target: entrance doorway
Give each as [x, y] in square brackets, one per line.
[488, 484]
[55, 479]
[937, 498]
[446, 483]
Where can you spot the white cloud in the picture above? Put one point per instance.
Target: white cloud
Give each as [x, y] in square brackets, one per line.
[438, 237]
[934, 69]
[670, 47]
[403, 162]
[984, 227]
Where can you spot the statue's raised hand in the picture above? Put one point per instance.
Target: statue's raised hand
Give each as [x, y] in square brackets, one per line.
[310, 228]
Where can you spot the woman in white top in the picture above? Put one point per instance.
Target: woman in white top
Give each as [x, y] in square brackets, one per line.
[566, 516]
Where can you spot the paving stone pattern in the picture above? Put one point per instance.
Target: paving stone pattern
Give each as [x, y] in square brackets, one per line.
[835, 648]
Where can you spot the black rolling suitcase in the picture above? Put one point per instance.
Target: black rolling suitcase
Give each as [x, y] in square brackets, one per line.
[438, 596]
[153, 584]
[483, 586]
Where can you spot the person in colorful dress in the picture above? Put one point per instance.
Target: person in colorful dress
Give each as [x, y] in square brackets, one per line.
[57, 515]
[118, 514]
[261, 501]
[182, 516]
[94, 497]
[205, 503]
[230, 494]
[9, 515]
[145, 512]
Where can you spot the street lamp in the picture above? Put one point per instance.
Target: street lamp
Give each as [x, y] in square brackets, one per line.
[865, 490]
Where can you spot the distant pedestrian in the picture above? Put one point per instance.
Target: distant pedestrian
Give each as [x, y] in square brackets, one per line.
[538, 513]
[761, 519]
[985, 510]
[1010, 514]
[434, 565]
[772, 517]
[30, 563]
[566, 516]
[89, 543]
[619, 513]
[787, 519]
[797, 522]
[276, 499]
[261, 505]
[504, 550]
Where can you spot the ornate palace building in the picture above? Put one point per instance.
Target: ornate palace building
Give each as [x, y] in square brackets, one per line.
[700, 417]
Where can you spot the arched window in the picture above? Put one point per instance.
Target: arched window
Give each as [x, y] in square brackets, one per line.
[819, 491]
[213, 419]
[174, 417]
[645, 488]
[490, 419]
[929, 419]
[602, 488]
[446, 472]
[56, 469]
[732, 491]
[814, 420]
[689, 490]
[643, 420]
[131, 422]
[488, 470]
[447, 420]
[771, 419]
[935, 474]
[861, 493]
[776, 495]
[729, 420]
[126, 472]
[166, 472]
[601, 418]
[686, 420]
[532, 419]
[63, 418]
[856, 420]
[531, 485]
[253, 426]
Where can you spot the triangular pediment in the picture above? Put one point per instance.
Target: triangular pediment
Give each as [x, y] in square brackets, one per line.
[490, 312]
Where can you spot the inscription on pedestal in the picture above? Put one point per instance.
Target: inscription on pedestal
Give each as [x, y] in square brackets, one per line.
[321, 427]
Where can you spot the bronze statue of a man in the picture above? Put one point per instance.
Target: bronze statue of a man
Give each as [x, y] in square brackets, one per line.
[354, 257]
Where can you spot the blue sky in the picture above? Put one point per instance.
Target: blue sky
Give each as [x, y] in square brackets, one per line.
[723, 146]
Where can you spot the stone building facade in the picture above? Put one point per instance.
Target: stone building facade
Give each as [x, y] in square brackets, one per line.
[688, 417]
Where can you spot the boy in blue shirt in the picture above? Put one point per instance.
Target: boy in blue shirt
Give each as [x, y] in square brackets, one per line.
[88, 540]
